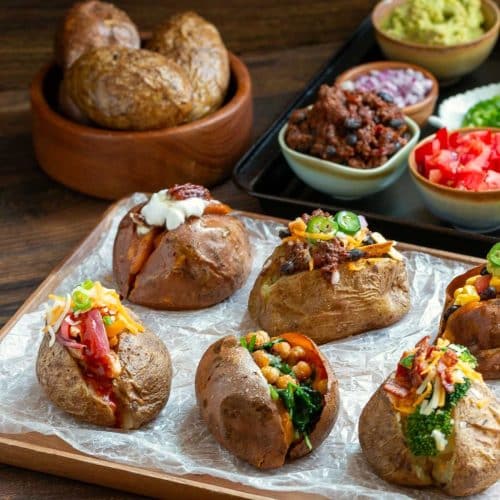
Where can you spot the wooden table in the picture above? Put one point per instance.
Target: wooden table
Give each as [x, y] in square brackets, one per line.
[283, 43]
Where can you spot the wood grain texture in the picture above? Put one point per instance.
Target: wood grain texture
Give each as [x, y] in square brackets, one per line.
[284, 43]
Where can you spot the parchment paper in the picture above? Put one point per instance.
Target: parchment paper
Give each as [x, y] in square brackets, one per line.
[177, 441]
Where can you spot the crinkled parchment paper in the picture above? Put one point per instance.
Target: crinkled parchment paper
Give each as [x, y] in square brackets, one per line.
[177, 441]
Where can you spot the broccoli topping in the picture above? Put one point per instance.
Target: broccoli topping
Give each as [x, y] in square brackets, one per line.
[460, 391]
[419, 431]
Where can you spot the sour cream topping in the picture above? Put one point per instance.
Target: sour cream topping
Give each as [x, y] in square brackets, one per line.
[162, 210]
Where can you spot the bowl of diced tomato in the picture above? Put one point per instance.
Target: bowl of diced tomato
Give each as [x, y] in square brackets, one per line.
[458, 176]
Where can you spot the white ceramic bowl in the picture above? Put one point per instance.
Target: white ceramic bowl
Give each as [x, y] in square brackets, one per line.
[468, 210]
[452, 111]
[347, 183]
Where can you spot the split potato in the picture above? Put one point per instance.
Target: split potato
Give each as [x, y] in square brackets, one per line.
[196, 45]
[92, 24]
[247, 415]
[127, 89]
[475, 325]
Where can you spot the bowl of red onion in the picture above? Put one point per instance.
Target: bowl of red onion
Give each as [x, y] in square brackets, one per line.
[411, 87]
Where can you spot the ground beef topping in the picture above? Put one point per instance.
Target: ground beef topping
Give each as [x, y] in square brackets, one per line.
[358, 129]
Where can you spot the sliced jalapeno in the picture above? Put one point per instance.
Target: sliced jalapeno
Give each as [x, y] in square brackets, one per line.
[493, 257]
[322, 224]
[348, 222]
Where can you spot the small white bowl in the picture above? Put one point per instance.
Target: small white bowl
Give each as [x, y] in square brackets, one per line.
[347, 183]
[466, 210]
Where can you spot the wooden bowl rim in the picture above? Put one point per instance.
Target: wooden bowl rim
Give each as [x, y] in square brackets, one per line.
[445, 190]
[375, 18]
[361, 69]
[243, 90]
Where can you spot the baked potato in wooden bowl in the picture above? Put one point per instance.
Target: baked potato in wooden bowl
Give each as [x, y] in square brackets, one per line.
[471, 314]
[434, 422]
[98, 363]
[180, 250]
[331, 277]
[267, 399]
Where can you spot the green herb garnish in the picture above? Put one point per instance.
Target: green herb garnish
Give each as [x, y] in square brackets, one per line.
[81, 301]
[108, 320]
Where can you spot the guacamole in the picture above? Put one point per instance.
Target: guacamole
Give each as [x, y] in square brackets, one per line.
[436, 22]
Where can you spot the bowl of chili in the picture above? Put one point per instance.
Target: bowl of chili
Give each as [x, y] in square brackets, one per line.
[458, 176]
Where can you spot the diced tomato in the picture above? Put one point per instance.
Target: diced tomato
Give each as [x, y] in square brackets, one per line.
[482, 283]
[468, 161]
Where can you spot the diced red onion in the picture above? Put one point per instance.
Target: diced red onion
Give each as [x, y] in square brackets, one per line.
[69, 343]
[362, 221]
[405, 86]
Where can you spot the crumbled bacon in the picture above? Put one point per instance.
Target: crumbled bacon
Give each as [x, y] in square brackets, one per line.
[185, 191]
[392, 386]
[445, 373]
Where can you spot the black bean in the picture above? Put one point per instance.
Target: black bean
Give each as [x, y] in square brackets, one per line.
[385, 96]
[351, 139]
[368, 241]
[287, 267]
[450, 311]
[352, 123]
[330, 151]
[298, 116]
[284, 232]
[356, 254]
[488, 293]
[484, 271]
[396, 123]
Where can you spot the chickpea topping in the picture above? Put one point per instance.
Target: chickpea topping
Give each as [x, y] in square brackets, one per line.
[321, 385]
[261, 337]
[271, 374]
[284, 380]
[282, 349]
[297, 354]
[261, 358]
[302, 370]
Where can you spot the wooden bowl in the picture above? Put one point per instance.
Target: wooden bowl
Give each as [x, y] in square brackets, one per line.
[447, 63]
[418, 112]
[112, 164]
[477, 211]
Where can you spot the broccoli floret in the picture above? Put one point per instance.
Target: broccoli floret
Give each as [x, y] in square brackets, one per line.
[419, 431]
[464, 354]
[460, 391]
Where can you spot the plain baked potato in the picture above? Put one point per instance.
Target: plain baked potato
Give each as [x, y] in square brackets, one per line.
[243, 405]
[127, 89]
[475, 324]
[198, 264]
[329, 289]
[196, 45]
[93, 24]
[125, 385]
[470, 460]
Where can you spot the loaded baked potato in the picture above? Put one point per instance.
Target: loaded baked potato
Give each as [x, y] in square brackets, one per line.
[471, 314]
[180, 250]
[98, 363]
[267, 399]
[434, 423]
[196, 45]
[127, 89]
[330, 278]
[93, 24]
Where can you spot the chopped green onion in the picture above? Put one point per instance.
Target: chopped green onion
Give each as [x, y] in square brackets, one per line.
[108, 320]
[274, 393]
[81, 301]
[308, 441]
[251, 344]
[407, 361]
[243, 342]
[88, 284]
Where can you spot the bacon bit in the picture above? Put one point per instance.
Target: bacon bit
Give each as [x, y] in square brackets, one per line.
[393, 387]
[185, 191]
[445, 375]
[215, 208]
[450, 358]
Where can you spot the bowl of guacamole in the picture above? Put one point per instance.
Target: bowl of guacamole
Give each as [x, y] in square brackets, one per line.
[450, 38]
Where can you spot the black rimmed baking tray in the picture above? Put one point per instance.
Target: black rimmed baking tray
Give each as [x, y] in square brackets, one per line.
[399, 211]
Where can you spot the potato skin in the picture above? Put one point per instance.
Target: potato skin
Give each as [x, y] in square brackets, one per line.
[196, 45]
[234, 401]
[474, 464]
[475, 325]
[374, 296]
[140, 392]
[93, 24]
[201, 263]
[128, 89]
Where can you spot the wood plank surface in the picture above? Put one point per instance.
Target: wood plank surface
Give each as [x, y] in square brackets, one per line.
[283, 42]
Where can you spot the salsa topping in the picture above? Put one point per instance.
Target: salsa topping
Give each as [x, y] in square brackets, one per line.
[88, 323]
[322, 241]
[484, 114]
[468, 161]
[295, 375]
[169, 208]
[405, 86]
[428, 383]
[356, 129]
